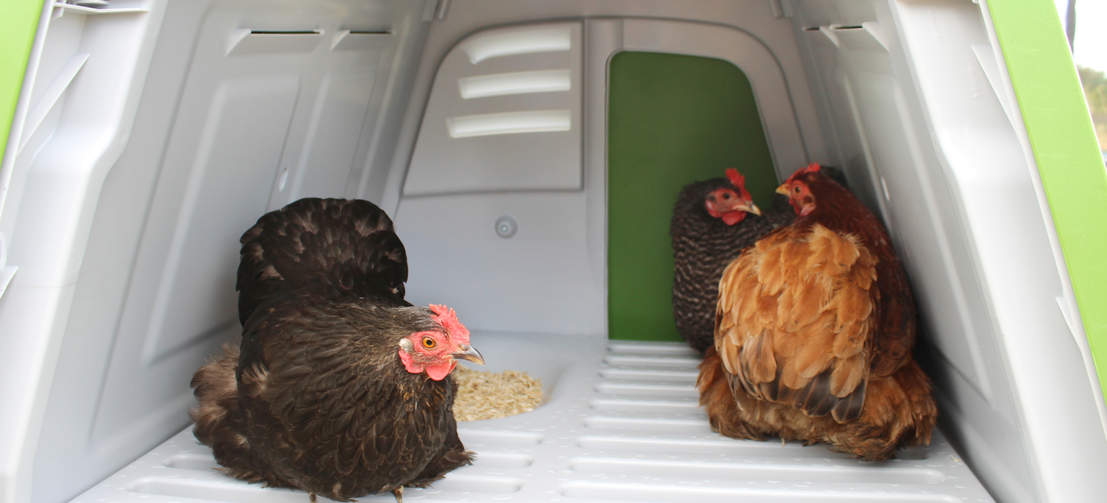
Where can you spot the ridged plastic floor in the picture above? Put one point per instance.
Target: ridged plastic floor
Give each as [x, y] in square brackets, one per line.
[621, 423]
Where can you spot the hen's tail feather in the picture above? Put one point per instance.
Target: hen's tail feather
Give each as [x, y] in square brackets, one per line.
[717, 396]
[924, 412]
[217, 415]
[899, 410]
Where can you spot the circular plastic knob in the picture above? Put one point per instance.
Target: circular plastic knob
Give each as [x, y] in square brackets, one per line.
[506, 226]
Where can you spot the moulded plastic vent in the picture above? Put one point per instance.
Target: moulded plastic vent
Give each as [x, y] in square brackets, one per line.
[503, 114]
[512, 42]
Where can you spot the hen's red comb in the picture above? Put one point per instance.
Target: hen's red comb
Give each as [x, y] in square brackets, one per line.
[448, 319]
[738, 181]
[811, 168]
[736, 178]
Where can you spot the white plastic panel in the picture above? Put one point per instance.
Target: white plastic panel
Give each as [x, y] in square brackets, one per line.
[81, 85]
[540, 277]
[504, 114]
[620, 423]
[222, 180]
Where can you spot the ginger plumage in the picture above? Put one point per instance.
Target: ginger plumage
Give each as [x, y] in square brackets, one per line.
[813, 333]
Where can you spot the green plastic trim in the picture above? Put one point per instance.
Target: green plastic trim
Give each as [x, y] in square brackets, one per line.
[17, 36]
[1065, 149]
[673, 119]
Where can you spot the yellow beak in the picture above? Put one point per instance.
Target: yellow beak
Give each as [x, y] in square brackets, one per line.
[468, 353]
[752, 208]
[783, 189]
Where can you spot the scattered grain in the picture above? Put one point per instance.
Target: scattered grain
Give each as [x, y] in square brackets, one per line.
[489, 395]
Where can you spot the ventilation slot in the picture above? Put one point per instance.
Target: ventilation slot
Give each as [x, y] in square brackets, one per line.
[503, 84]
[361, 40]
[537, 121]
[265, 41]
[516, 42]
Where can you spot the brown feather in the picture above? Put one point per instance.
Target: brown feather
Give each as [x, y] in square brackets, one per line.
[814, 329]
[758, 359]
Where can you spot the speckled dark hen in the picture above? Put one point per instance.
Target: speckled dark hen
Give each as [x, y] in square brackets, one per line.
[703, 245]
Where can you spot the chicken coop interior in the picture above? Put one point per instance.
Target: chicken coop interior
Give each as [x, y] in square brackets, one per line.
[529, 153]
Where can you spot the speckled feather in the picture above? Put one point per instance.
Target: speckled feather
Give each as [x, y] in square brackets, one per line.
[334, 247]
[323, 403]
[702, 248]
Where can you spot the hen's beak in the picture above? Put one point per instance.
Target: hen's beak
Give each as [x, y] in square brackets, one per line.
[752, 208]
[783, 189]
[468, 353]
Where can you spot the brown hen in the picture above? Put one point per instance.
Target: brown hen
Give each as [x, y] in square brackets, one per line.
[813, 333]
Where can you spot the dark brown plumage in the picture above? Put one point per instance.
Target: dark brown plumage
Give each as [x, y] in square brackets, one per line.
[703, 245]
[333, 247]
[339, 387]
[813, 334]
[323, 402]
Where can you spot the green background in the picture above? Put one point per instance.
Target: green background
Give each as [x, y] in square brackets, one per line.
[17, 35]
[1065, 149]
[673, 120]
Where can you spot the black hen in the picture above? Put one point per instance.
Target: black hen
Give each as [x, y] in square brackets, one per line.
[339, 387]
[710, 227]
[332, 247]
[341, 398]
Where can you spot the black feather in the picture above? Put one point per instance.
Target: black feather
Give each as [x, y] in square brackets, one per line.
[316, 396]
[334, 247]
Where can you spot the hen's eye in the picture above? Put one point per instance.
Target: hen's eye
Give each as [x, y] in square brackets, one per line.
[726, 195]
[428, 342]
[796, 189]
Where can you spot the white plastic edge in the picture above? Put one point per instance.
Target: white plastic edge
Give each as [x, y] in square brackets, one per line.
[21, 418]
[1067, 302]
[11, 447]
